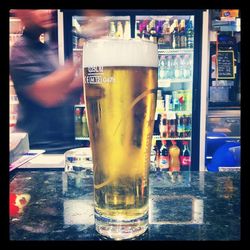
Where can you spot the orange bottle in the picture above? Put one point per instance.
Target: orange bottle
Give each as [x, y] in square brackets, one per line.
[174, 153]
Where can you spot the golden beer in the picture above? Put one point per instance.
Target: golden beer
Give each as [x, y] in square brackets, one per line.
[120, 103]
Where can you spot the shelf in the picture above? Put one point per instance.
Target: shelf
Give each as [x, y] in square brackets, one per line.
[176, 51]
[158, 138]
[165, 83]
[76, 50]
[227, 25]
[82, 138]
[184, 112]
[79, 106]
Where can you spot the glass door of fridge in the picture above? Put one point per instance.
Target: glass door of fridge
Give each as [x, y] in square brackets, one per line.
[173, 122]
[119, 27]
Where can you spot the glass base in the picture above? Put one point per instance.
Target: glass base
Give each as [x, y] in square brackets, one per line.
[121, 229]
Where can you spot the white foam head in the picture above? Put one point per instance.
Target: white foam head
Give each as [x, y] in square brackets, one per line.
[120, 52]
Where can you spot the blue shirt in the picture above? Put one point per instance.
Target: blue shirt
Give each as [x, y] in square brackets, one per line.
[31, 60]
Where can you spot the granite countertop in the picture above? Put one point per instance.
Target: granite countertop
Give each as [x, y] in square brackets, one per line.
[193, 206]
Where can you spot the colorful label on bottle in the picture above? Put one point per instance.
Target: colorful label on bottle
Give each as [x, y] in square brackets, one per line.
[164, 162]
[185, 160]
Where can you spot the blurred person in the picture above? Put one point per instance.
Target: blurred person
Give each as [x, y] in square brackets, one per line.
[46, 91]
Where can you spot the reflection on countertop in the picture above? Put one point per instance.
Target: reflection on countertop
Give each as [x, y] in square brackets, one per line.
[188, 206]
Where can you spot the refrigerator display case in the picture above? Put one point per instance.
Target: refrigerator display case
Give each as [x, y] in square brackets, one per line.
[178, 34]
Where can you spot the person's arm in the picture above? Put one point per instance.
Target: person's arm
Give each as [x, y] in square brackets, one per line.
[53, 89]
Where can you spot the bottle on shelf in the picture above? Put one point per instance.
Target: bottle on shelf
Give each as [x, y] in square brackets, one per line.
[157, 125]
[184, 126]
[185, 157]
[179, 125]
[175, 35]
[164, 157]
[175, 103]
[181, 66]
[112, 29]
[181, 100]
[190, 35]
[142, 29]
[167, 38]
[162, 67]
[146, 34]
[182, 34]
[160, 101]
[164, 126]
[169, 72]
[127, 34]
[75, 37]
[187, 67]
[188, 125]
[157, 155]
[168, 103]
[85, 131]
[78, 123]
[119, 30]
[158, 29]
[177, 67]
[174, 154]
[152, 31]
[171, 124]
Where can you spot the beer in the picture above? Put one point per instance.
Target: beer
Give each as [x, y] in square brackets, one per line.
[120, 95]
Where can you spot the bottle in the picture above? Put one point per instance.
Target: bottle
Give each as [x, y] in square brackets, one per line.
[167, 38]
[143, 29]
[152, 31]
[169, 73]
[181, 100]
[158, 29]
[172, 127]
[78, 123]
[119, 32]
[161, 71]
[185, 157]
[127, 34]
[164, 126]
[176, 66]
[146, 34]
[190, 35]
[175, 35]
[85, 132]
[174, 154]
[182, 34]
[184, 126]
[181, 66]
[157, 155]
[157, 125]
[179, 129]
[164, 157]
[74, 38]
[138, 30]
[112, 29]
[188, 127]
[159, 102]
[187, 67]
[168, 106]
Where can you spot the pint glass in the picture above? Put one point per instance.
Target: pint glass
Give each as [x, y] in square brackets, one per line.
[120, 95]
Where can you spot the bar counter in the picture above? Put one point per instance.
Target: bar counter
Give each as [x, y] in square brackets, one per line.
[190, 206]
